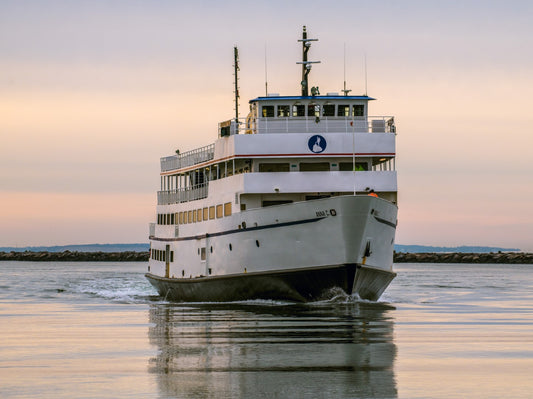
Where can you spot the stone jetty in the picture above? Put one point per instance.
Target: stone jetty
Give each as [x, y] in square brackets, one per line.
[75, 256]
[460, 257]
[399, 257]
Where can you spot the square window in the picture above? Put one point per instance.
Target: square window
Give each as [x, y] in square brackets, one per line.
[227, 209]
[358, 110]
[268, 111]
[313, 110]
[343, 110]
[298, 110]
[329, 110]
[283, 111]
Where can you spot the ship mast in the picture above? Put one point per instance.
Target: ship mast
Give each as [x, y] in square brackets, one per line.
[236, 70]
[306, 65]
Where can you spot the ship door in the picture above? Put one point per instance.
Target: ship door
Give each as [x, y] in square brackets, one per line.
[167, 261]
[203, 257]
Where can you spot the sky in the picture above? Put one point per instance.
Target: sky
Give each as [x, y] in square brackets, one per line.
[93, 93]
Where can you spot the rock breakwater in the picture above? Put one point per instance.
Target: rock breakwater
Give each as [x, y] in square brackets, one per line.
[459, 257]
[75, 256]
[399, 257]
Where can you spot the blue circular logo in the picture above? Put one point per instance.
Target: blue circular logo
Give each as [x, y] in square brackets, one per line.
[317, 144]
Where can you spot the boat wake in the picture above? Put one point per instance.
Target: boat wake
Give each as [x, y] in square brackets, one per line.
[125, 289]
[135, 289]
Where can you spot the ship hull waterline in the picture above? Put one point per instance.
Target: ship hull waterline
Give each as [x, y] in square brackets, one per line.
[296, 285]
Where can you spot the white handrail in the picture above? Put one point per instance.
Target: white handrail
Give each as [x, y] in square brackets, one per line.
[188, 158]
[325, 124]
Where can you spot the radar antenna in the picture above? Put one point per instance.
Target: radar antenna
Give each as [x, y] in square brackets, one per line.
[306, 65]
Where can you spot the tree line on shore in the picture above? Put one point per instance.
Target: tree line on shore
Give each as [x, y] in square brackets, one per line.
[399, 257]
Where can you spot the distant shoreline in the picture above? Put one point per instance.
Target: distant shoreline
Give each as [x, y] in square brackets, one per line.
[142, 256]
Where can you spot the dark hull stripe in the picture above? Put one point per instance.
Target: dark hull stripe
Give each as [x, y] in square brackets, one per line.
[221, 233]
[385, 222]
[300, 285]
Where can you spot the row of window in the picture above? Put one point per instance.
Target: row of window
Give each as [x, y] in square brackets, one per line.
[285, 111]
[157, 254]
[197, 178]
[312, 166]
[195, 215]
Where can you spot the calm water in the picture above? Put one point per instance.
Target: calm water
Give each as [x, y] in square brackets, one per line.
[93, 330]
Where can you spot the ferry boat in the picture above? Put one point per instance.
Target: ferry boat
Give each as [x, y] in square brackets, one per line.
[295, 202]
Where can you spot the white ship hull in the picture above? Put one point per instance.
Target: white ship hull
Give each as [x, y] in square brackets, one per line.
[297, 252]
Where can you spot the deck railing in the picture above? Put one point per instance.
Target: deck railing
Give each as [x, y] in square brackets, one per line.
[333, 124]
[188, 158]
[325, 124]
[182, 195]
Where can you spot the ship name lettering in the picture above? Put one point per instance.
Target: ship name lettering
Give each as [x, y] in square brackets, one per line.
[325, 213]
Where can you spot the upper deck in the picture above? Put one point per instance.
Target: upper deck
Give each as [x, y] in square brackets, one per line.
[308, 114]
[288, 148]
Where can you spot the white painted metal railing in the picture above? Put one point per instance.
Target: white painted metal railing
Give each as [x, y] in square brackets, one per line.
[182, 195]
[188, 158]
[325, 124]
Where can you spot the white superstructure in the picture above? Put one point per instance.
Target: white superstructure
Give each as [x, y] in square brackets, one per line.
[278, 206]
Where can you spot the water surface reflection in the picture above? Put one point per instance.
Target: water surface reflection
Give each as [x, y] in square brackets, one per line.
[264, 350]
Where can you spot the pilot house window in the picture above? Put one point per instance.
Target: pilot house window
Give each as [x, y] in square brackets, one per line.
[358, 110]
[268, 111]
[313, 110]
[343, 110]
[283, 111]
[298, 110]
[329, 110]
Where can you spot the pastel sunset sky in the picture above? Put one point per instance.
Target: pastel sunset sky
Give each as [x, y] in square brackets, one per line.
[93, 93]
